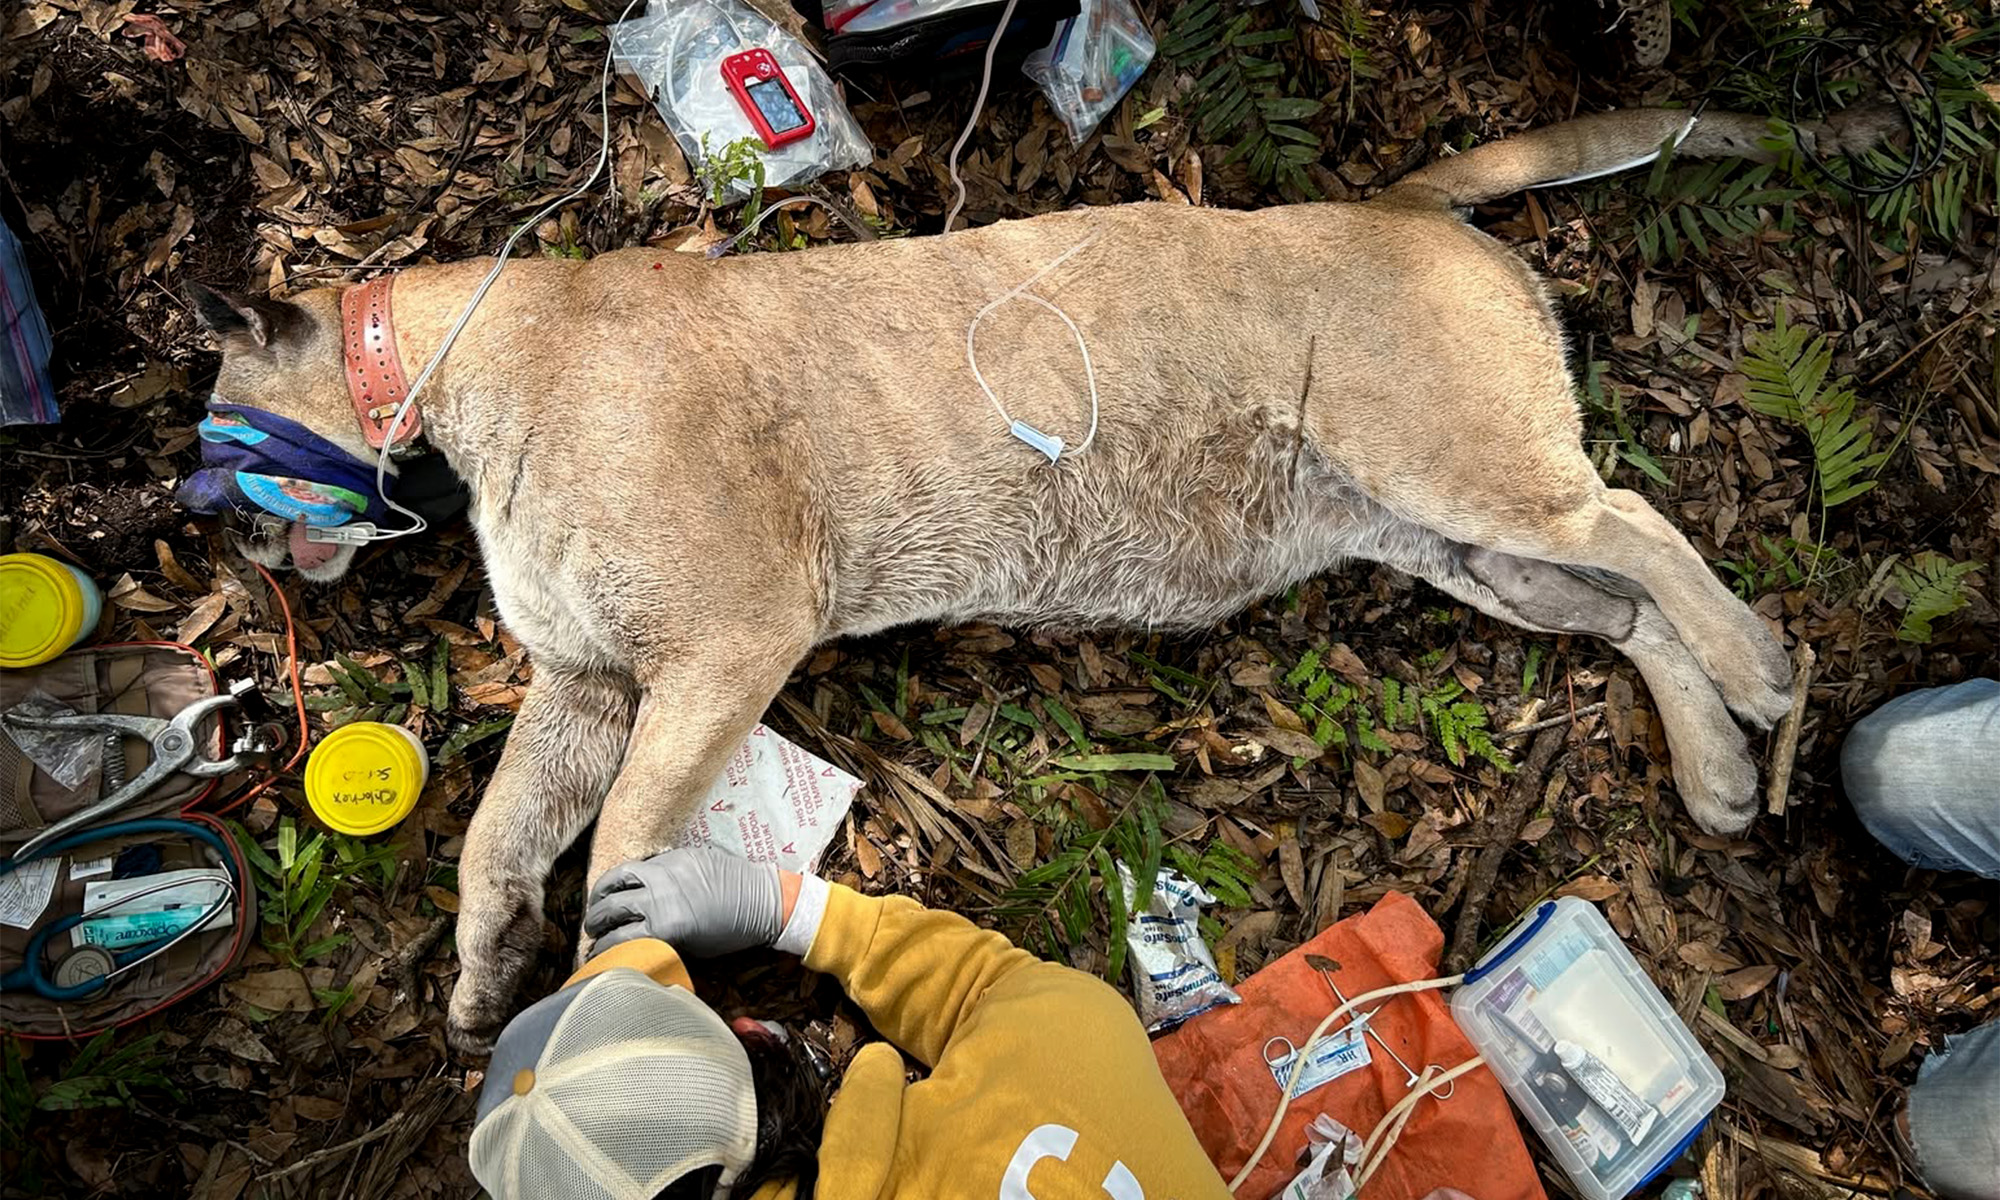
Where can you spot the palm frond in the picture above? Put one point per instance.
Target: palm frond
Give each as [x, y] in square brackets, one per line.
[1053, 905]
[1227, 873]
[1242, 89]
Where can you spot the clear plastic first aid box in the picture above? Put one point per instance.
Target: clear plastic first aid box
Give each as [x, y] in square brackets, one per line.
[1588, 1049]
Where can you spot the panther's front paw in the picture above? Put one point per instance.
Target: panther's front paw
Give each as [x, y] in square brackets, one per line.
[495, 950]
[1717, 781]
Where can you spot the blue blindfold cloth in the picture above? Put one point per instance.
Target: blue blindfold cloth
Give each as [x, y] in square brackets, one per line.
[254, 460]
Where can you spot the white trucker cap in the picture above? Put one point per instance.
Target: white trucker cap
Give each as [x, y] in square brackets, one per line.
[611, 1089]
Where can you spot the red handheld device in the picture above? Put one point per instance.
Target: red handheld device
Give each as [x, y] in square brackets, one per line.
[767, 97]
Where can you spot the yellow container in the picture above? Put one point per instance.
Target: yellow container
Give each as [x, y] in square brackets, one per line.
[46, 606]
[365, 777]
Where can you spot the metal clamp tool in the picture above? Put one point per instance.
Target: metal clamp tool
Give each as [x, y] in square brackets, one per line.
[1363, 1019]
[176, 747]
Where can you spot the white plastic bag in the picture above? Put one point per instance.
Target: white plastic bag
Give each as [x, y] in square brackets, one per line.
[1329, 1175]
[1094, 59]
[675, 52]
[873, 16]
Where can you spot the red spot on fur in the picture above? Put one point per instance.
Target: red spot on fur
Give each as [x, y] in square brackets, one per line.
[656, 266]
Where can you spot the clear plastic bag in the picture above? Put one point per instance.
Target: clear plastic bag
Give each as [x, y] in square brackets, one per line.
[1329, 1174]
[1091, 63]
[66, 756]
[676, 53]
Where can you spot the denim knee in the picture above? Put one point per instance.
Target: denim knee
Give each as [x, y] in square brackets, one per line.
[1955, 1117]
[1923, 773]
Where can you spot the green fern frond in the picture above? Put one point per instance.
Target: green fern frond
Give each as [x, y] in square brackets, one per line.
[1789, 369]
[1726, 200]
[1966, 178]
[1936, 588]
[1461, 726]
[1357, 29]
[1328, 705]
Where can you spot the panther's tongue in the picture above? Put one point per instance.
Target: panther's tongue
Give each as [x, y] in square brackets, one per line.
[309, 554]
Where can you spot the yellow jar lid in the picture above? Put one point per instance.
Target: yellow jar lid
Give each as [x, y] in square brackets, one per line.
[365, 777]
[42, 609]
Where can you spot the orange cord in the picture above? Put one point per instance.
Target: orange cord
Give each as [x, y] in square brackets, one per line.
[298, 696]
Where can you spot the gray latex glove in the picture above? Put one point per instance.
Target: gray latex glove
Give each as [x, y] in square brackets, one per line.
[701, 902]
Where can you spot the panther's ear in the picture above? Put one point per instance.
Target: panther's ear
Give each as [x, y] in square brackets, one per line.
[243, 320]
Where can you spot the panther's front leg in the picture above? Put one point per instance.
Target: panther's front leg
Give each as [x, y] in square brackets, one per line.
[562, 754]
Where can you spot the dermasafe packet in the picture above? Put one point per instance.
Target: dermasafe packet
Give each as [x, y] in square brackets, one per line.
[774, 802]
[1174, 975]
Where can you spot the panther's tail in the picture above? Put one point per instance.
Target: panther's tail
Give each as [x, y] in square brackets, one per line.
[1616, 141]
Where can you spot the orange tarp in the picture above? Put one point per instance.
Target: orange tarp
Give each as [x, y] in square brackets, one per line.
[1216, 1066]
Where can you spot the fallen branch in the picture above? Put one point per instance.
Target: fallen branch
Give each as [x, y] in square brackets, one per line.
[386, 1166]
[1502, 826]
[1800, 1161]
[1551, 722]
[409, 960]
[1787, 749]
[319, 1156]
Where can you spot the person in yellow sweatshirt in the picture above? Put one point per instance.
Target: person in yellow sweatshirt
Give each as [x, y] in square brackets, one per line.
[625, 1085]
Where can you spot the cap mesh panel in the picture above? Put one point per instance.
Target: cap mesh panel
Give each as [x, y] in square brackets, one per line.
[602, 1105]
[549, 1169]
[638, 1085]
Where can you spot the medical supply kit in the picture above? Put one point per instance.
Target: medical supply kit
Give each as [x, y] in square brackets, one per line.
[1229, 1066]
[1350, 1032]
[1588, 1049]
[117, 897]
[1093, 60]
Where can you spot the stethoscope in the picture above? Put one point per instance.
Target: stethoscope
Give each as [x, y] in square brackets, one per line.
[88, 969]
